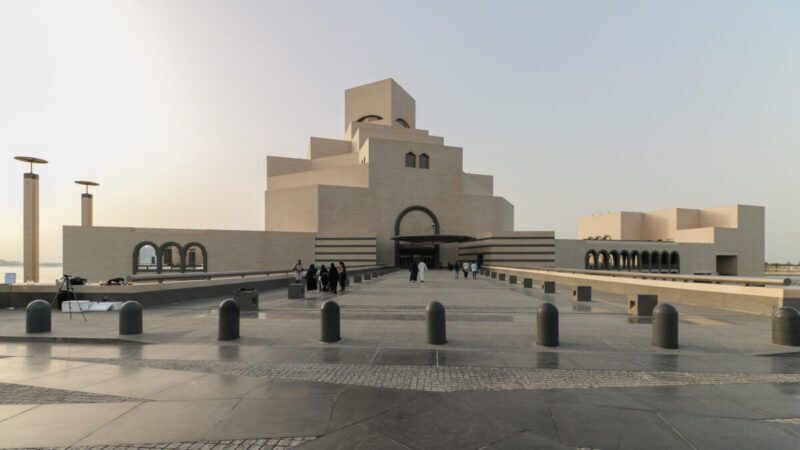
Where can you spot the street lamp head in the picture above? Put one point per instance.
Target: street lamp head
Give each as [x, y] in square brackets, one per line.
[30, 160]
[87, 184]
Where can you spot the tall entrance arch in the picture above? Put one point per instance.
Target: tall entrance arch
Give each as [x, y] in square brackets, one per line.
[406, 252]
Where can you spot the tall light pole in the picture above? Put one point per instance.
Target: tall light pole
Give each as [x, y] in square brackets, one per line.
[87, 206]
[30, 220]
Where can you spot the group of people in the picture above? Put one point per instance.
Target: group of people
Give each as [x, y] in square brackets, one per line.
[464, 266]
[418, 271]
[325, 279]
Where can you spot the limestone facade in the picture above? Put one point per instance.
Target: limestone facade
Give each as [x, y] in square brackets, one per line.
[385, 176]
[350, 197]
[728, 240]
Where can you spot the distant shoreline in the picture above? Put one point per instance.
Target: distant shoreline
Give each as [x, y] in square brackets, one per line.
[19, 264]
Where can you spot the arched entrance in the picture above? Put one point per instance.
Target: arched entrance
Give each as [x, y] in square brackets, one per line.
[416, 220]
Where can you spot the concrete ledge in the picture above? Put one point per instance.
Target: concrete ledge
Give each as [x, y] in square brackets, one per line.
[748, 299]
[149, 294]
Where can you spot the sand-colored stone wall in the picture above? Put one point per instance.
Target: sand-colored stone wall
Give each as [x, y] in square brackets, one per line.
[101, 253]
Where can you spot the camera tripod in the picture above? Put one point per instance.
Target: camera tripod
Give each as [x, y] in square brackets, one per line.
[65, 288]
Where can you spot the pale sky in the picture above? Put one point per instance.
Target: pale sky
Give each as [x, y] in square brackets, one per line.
[574, 107]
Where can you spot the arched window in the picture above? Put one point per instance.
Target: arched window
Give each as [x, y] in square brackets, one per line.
[171, 257]
[424, 161]
[645, 260]
[635, 262]
[665, 262]
[145, 257]
[624, 260]
[403, 123]
[411, 159]
[370, 118]
[602, 260]
[613, 257]
[654, 261]
[196, 257]
[675, 262]
[591, 260]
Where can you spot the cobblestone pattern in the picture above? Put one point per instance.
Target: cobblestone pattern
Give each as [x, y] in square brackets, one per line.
[21, 394]
[452, 379]
[233, 444]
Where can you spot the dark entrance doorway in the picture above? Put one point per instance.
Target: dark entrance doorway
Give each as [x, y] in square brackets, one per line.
[419, 243]
[405, 251]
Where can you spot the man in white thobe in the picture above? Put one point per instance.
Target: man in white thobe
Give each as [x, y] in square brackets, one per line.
[423, 269]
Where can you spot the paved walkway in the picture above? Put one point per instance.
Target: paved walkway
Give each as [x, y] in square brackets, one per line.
[382, 386]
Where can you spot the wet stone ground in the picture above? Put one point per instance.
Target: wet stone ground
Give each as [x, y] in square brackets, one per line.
[382, 386]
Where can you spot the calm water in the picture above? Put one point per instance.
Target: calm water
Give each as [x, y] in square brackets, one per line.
[46, 274]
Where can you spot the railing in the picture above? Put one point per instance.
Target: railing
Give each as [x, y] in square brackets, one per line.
[747, 281]
[187, 276]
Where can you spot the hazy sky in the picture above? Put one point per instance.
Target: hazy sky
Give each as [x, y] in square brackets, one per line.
[574, 107]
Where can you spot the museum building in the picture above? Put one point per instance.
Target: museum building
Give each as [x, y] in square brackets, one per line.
[389, 192]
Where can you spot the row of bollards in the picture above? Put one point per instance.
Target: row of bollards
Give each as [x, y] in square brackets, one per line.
[330, 322]
[38, 317]
[665, 326]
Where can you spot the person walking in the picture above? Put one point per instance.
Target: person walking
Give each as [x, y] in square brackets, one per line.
[333, 278]
[342, 275]
[414, 269]
[298, 271]
[456, 268]
[474, 268]
[311, 278]
[422, 269]
[465, 268]
[323, 278]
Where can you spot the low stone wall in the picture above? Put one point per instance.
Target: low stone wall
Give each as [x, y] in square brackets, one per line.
[150, 294]
[749, 299]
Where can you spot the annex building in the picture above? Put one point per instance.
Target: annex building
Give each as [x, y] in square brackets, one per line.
[388, 192]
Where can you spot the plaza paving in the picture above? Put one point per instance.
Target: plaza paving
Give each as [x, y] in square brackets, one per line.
[382, 386]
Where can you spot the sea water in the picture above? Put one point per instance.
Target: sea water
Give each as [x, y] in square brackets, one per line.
[47, 274]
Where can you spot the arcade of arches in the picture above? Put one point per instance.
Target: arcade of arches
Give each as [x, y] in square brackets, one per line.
[644, 261]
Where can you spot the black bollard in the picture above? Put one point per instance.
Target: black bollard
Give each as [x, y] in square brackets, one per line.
[329, 321]
[37, 317]
[547, 325]
[228, 320]
[130, 318]
[665, 326]
[786, 326]
[435, 321]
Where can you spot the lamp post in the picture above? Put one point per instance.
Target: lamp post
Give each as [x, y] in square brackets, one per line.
[87, 206]
[30, 220]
